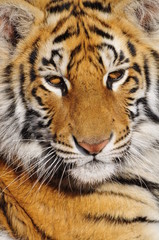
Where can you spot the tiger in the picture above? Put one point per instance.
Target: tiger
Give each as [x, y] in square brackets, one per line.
[79, 119]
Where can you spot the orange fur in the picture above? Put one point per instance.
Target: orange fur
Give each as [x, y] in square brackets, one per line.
[67, 216]
[90, 112]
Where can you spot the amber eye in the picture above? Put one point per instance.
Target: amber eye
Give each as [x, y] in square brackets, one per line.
[58, 82]
[114, 77]
[55, 81]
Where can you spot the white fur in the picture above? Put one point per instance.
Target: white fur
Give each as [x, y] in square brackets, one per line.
[5, 236]
[145, 14]
[17, 17]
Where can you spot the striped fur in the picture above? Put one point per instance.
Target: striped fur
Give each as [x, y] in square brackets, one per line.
[56, 91]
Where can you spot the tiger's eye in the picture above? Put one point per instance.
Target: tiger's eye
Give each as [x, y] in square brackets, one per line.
[114, 77]
[54, 81]
[117, 75]
[57, 82]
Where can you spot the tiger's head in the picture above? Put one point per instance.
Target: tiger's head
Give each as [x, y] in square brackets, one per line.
[79, 88]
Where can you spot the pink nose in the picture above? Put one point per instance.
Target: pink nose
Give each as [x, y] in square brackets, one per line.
[94, 148]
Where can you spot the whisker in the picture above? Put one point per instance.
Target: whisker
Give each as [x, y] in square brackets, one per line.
[50, 175]
[60, 182]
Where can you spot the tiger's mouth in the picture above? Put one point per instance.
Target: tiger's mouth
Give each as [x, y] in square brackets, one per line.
[92, 172]
[79, 165]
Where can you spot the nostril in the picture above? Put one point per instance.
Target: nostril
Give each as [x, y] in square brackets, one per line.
[94, 148]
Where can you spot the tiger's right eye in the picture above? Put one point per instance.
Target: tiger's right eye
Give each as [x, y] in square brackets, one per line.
[114, 77]
[57, 82]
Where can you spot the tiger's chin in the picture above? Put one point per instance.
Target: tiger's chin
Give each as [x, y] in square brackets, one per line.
[82, 176]
[93, 173]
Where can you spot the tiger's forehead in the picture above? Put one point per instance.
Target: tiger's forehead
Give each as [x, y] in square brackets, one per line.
[87, 30]
[87, 22]
[78, 39]
[82, 8]
[101, 5]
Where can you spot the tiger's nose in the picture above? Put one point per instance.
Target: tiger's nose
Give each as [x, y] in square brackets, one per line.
[93, 148]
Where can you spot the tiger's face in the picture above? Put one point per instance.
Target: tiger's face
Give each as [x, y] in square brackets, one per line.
[80, 84]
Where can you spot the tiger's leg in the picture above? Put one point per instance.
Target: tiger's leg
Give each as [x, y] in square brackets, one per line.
[14, 219]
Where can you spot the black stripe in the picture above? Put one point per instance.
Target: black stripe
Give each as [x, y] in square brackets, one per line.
[101, 33]
[131, 48]
[56, 53]
[59, 8]
[100, 60]
[126, 60]
[103, 23]
[129, 78]
[9, 93]
[44, 88]
[138, 181]
[11, 110]
[90, 59]
[43, 125]
[33, 55]
[4, 206]
[39, 100]
[123, 145]
[135, 115]
[7, 80]
[97, 6]
[64, 36]
[22, 80]
[121, 56]
[45, 62]
[60, 24]
[147, 73]
[78, 63]
[137, 68]
[8, 70]
[26, 132]
[155, 54]
[85, 30]
[30, 114]
[76, 12]
[55, 1]
[151, 115]
[32, 74]
[118, 194]
[75, 51]
[118, 220]
[133, 90]
[114, 51]
[131, 115]
[32, 60]
[100, 47]
[130, 98]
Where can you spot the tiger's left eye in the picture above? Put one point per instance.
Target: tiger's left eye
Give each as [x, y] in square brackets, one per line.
[57, 82]
[114, 77]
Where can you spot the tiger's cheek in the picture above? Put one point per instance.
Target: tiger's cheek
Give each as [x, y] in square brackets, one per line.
[120, 119]
[53, 108]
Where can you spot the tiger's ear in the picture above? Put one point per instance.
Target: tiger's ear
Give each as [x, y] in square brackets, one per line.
[145, 13]
[16, 20]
